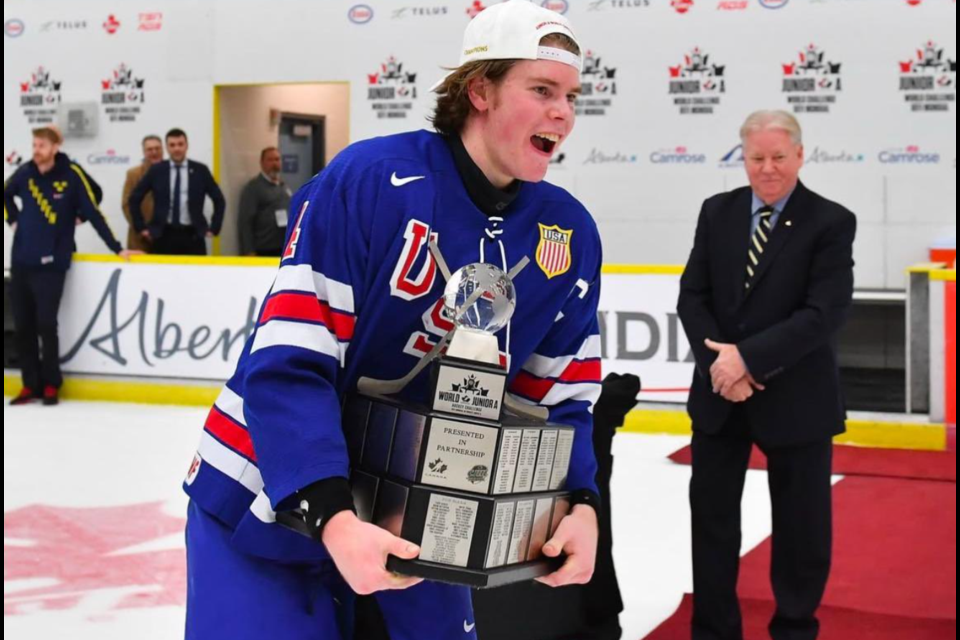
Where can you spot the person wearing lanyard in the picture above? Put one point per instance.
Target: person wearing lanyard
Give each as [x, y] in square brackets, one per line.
[263, 210]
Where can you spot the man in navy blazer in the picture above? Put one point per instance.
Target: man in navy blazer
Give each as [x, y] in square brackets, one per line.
[768, 286]
[180, 188]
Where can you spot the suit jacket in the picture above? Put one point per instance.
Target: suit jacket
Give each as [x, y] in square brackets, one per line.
[785, 326]
[135, 241]
[157, 182]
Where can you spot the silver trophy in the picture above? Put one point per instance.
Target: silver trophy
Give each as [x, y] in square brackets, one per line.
[481, 299]
[475, 478]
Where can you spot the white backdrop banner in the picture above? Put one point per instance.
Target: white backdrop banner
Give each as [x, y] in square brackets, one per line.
[667, 84]
[642, 334]
[190, 322]
[185, 322]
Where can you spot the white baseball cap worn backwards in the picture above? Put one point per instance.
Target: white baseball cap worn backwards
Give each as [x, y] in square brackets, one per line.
[512, 30]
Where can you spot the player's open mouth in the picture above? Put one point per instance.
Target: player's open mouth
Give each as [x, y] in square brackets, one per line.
[545, 142]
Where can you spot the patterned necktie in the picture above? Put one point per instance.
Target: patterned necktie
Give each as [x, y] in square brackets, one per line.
[758, 243]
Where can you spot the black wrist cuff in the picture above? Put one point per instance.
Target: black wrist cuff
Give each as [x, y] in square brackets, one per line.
[322, 501]
[588, 498]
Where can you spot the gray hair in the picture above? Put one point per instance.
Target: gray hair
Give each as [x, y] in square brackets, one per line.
[772, 121]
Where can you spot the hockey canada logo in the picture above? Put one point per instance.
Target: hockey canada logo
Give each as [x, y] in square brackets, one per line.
[111, 25]
[682, 6]
[39, 97]
[811, 83]
[928, 80]
[392, 90]
[438, 467]
[599, 86]
[553, 255]
[697, 84]
[476, 8]
[119, 567]
[14, 159]
[122, 94]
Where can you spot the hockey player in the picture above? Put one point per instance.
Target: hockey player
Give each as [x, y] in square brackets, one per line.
[55, 195]
[358, 294]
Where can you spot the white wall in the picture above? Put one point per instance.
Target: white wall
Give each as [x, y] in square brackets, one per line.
[646, 210]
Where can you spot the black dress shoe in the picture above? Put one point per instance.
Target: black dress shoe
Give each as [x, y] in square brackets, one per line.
[51, 397]
[27, 396]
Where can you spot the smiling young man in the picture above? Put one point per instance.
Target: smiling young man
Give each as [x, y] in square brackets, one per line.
[358, 294]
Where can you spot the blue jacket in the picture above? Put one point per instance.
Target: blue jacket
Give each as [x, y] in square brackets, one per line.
[46, 218]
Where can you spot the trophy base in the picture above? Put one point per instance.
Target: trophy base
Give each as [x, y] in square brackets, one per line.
[475, 579]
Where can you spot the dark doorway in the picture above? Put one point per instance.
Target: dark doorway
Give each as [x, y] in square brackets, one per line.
[302, 147]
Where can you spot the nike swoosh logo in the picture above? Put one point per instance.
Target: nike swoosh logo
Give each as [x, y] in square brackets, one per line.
[402, 182]
[468, 628]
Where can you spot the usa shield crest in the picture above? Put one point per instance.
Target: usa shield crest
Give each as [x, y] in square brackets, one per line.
[553, 254]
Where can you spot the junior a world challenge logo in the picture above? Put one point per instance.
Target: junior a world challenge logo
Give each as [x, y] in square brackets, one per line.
[122, 95]
[392, 90]
[40, 97]
[697, 84]
[473, 394]
[928, 80]
[599, 86]
[812, 82]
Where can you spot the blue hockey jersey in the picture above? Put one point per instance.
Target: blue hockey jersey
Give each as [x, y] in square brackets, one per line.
[358, 294]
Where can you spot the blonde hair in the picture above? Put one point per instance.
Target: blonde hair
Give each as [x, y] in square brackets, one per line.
[50, 134]
[453, 95]
[772, 121]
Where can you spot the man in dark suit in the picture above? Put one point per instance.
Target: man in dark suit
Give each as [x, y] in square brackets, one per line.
[180, 188]
[768, 286]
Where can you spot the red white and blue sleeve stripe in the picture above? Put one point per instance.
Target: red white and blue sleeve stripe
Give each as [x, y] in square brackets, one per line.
[299, 348]
[564, 375]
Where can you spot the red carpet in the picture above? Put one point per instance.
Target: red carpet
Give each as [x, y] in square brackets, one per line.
[895, 556]
[877, 463]
[837, 624]
[895, 550]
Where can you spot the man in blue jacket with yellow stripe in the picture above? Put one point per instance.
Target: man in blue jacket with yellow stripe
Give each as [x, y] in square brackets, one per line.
[55, 196]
